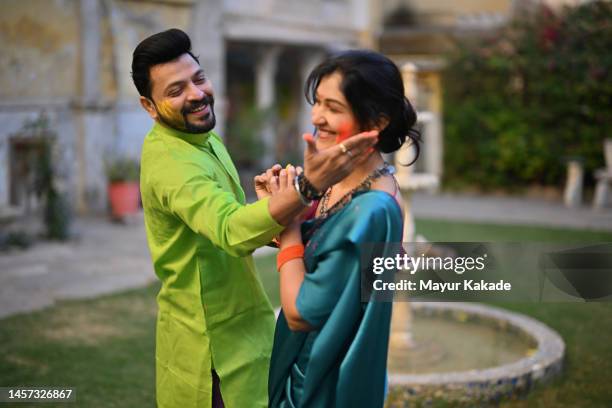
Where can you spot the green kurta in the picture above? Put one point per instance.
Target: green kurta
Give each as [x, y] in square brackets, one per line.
[213, 312]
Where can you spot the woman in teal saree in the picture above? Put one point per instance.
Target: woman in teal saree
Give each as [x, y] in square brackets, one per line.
[330, 347]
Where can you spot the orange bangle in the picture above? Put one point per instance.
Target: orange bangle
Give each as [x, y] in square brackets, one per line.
[289, 253]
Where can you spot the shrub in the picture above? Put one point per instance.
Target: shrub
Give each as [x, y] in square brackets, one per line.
[120, 169]
[521, 102]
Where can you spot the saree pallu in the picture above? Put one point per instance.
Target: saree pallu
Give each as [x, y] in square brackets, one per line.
[342, 362]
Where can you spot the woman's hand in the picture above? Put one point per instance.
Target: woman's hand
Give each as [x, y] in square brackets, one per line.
[284, 181]
[324, 168]
[277, 184]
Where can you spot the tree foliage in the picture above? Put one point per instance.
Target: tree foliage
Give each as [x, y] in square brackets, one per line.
[522, 102]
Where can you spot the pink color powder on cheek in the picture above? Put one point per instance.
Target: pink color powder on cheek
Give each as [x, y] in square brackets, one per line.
[344, 131]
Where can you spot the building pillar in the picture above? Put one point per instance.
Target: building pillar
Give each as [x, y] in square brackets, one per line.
[406, 153]
[208, 44]
[90, 41]
[266, 67]
[436, 139]
[310, 59]
[363, 12]
[429, 111]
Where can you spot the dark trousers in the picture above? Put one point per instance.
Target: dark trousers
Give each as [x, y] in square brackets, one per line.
[217, 400]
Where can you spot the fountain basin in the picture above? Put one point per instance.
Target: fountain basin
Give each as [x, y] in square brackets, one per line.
[534, 355]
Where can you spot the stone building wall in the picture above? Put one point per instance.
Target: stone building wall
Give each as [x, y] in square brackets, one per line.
[71, 60]
[39, 61]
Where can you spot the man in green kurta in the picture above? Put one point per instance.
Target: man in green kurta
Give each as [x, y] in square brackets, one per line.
[215, 324]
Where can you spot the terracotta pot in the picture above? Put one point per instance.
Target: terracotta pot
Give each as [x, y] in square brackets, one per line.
[124, 198]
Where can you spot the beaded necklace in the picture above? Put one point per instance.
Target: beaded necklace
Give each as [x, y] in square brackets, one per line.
[383, 170]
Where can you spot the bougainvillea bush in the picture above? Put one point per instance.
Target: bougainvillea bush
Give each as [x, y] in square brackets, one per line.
[522, 102]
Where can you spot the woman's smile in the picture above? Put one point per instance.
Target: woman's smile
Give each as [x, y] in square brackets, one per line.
[326, 133]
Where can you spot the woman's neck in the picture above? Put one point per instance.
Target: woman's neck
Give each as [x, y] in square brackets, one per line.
[360, 173]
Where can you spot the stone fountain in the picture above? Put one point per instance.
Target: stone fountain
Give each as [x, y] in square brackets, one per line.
[460, 353]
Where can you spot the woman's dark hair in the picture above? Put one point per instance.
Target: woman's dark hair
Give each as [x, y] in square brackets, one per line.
[373, 86]
[157, 49]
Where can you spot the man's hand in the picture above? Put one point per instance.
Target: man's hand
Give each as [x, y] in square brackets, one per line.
[265, 180]
[324, 168]
[279, 180]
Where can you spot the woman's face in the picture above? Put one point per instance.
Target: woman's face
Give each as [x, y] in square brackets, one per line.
[331, 113]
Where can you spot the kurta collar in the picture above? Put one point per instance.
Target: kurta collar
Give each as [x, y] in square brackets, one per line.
[193, 138]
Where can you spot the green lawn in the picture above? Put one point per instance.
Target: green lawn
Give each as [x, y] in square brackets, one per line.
[105, 347]
[445, 231]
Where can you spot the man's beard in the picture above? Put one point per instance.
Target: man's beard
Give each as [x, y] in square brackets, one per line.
[183, 124]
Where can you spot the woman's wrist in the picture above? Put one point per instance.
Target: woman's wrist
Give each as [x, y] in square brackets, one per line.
[289, 253]
[287, 240]
[306, 191]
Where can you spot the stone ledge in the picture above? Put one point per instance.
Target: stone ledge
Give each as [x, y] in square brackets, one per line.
[485, 385]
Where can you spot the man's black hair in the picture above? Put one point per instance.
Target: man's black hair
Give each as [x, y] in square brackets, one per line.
[157, 49]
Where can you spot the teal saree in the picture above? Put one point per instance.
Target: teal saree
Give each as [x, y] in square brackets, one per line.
[342, 362]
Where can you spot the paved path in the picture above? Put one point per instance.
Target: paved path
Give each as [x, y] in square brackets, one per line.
[108, 258]
[507, 210]
[105, 258]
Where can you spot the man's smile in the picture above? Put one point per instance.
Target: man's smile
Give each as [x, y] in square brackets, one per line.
[201, 111]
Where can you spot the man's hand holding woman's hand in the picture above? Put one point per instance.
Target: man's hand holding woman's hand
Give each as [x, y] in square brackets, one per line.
[322, 169]
[263, 181]
[275, 180]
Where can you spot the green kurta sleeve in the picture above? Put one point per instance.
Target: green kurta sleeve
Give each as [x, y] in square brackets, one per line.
[200, 202]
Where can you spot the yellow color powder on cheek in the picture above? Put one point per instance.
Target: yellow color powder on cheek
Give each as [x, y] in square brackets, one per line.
[171, 115]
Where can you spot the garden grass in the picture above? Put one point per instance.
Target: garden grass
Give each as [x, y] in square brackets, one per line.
[104, 347]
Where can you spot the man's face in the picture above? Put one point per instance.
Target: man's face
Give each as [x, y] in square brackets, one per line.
[182, 96]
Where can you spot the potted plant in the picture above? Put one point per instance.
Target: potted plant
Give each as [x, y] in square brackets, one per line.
[123, 175]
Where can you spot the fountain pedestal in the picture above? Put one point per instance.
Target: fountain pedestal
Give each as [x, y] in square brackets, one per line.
[409, 181]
